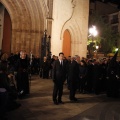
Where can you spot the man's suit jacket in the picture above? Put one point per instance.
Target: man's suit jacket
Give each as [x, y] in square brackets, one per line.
[59, 73]
[73, 71]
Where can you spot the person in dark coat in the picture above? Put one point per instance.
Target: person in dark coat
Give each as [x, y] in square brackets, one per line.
[112, 77]
[4, 60]
[45, 68]
[4, 87]
[59, 77]
[73, 76]
[82, 76]
[51, 65]
[36, 65]
[97, 77]
[90, 76]
[7, 100]
[22, 74]
[104, 74]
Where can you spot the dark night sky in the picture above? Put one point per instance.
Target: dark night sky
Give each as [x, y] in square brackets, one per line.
[112, 1]
[117, 2]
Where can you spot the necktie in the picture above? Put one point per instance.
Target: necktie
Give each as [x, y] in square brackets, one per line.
[61, 63]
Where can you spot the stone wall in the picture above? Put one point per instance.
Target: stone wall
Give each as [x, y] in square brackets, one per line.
[1, 24]
[71, 15]
[29, 18]
[28, 24]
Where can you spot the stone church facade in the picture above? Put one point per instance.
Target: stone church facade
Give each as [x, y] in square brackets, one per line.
[66, 21]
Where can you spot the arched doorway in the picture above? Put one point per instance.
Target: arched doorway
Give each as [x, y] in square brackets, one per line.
[7, 29]
[66, 43]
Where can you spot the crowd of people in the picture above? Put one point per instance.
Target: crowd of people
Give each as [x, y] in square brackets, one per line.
[79, 74]
[85, 76]
[14, 79]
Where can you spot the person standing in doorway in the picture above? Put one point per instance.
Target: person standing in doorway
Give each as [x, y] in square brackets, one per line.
[59, 77]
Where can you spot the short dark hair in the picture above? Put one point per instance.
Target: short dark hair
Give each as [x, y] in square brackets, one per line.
[61, 53]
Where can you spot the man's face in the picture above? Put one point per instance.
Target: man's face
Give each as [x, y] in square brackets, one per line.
[23, 55]
[61, 56]
[69, 58]
[72, 58]
[78, 58]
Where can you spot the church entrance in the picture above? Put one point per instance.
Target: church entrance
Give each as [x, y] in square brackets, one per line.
[5, 30]
[66, 43]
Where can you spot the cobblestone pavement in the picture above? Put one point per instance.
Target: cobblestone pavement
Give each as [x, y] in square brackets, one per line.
[39, 106]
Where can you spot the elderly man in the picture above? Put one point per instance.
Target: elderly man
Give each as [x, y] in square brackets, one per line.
[22, 74]
[73, 76]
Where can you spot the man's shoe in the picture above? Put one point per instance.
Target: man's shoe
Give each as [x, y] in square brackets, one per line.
[60, 102]
[55, 102]
[73, 99]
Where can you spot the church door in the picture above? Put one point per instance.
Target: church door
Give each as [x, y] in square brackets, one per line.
[66, 48]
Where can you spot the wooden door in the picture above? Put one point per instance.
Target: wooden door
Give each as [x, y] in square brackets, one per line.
[6, 42]
[66, 43]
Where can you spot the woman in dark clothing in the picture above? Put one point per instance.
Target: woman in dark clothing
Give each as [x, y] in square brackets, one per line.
[22, 74]
[7, 94]
[113, 78]
[4, 61]
[82, 76]
[90, 76]
[45, 68]
[104, 74]
[97, 77]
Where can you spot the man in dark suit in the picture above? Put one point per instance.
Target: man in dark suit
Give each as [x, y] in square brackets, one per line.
[73, 77]
[59, 76]
[113, 77]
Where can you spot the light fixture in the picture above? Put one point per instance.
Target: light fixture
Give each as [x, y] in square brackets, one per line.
[93, 31]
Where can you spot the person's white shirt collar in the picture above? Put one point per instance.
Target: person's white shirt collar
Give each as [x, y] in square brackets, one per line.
[61, 61]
